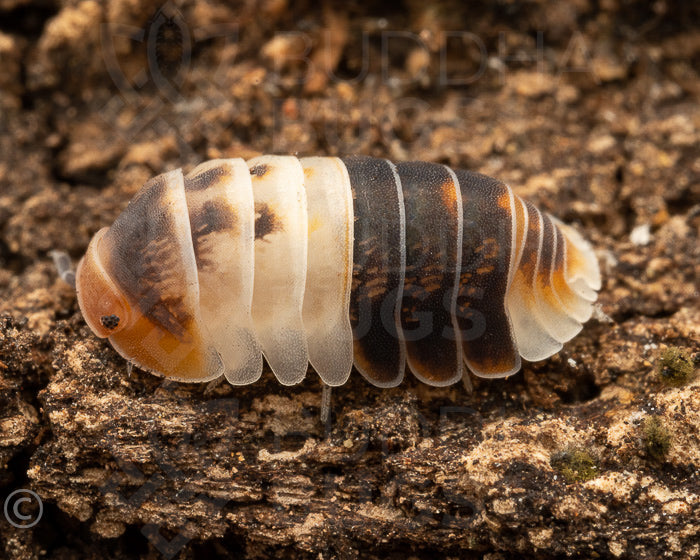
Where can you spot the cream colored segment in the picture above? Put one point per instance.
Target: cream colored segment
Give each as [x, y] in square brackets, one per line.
[533, 341]
[176, 201]
[280, 264]
[519, 210]
[576, 306]
[583, 273]
[515, 251]
[550, 311]
[531, 335]
[226, 271]
[591, 272]
[329, 270]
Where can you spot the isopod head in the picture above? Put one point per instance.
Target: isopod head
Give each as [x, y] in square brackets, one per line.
[104, 306]
[137, 286]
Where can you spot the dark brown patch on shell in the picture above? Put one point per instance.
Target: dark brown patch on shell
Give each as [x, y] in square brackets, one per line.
[266, 221]
[145, 261]
[212, 217]
[432, 228]
[528, 260]
[378, 270]
[487, 341]
[206, 179]
[259, 170]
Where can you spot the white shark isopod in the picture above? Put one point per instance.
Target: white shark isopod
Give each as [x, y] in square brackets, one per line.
[337, 262]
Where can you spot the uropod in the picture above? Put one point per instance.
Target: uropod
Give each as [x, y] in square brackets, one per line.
[334, 262]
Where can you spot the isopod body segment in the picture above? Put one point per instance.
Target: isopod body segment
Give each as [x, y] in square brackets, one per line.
[334, 262]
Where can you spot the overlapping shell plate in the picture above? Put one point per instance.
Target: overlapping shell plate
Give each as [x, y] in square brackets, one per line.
[336, 262]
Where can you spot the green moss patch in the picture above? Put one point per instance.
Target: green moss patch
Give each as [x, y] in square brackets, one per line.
[676, 367]
[656, 438]
[575, 465]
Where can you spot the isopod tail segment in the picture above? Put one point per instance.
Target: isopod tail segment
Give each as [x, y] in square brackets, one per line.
[334, 262]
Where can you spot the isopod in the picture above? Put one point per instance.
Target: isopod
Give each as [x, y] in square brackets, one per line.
[334, 262]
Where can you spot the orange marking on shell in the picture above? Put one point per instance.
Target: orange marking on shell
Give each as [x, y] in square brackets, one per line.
[490, 248]
[574, 260]
[562, 288]
[154, 349]
[542, 277]
[521, 282]
[448, 193]
[545, 287]
[504, 202]
[315, 224]
[493, 366]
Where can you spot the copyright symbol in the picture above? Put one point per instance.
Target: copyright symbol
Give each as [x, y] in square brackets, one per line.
[21, 509]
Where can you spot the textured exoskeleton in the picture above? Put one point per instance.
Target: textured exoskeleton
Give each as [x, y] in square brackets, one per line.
[334, 261]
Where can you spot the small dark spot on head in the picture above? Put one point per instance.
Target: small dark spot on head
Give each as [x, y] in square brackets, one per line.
[205, 179]
[109, 322]
[266, 222]
[259, 170]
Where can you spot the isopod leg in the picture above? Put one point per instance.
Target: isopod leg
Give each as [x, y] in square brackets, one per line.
[467, 383]
[326, 394]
